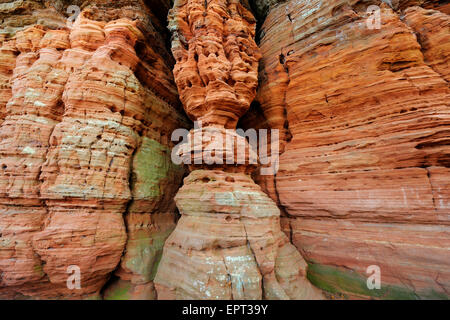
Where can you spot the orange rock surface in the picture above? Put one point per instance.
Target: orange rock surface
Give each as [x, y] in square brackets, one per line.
[228, 243]
[7, 64]
[75, 180]
[90, 96]
[364, 180]
[217, 59]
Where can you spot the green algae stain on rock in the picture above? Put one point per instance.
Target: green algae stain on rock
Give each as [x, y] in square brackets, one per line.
[153, 170]
[155, 181]
[145, 251]
[338, 280]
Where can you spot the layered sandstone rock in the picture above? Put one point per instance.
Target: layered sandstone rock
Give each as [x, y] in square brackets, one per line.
[7, 64]
[32, 112]
[228, 243]
[217, 60]
[88, 105]
[85, 154]
[363, 180]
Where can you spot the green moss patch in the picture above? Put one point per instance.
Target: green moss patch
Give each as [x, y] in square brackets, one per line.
[342, 281]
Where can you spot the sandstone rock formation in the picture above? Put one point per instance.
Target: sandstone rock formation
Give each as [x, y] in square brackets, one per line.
[85, 153]
[364, 180]
[88, 104]
[228, 243]
[7, 64]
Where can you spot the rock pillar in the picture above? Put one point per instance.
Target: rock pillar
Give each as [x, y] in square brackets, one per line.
[228, 243]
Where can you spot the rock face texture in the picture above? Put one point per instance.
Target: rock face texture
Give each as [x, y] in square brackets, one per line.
[86, 178]
[90, 96]
[228, 243]
[364, 175]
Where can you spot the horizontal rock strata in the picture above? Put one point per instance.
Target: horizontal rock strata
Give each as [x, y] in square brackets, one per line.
[364, 179]
[85, 153]
[228, 244]
[90, 96]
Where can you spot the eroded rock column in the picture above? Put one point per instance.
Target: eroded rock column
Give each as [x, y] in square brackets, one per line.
[364, 179]
[228, 243]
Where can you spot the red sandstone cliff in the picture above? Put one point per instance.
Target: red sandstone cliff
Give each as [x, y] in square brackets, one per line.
[87, 110]
[364, 179]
